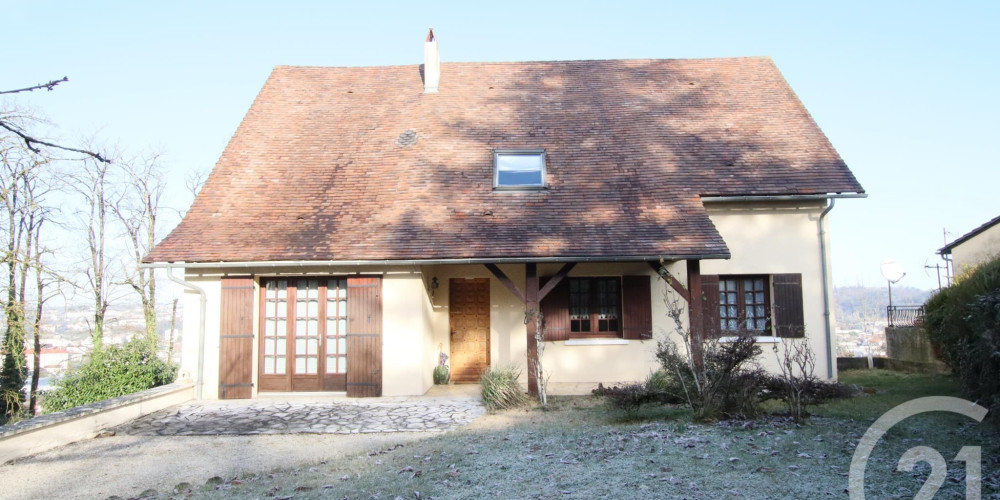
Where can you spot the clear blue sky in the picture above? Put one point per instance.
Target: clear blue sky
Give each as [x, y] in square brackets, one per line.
[906, 91]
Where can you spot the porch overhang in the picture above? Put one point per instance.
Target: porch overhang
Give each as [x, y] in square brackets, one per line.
[428, 262]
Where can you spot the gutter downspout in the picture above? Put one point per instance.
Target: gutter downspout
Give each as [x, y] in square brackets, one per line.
[201, 326]
[830, 360]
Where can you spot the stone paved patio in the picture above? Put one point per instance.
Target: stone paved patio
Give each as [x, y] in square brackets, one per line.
[444, 410]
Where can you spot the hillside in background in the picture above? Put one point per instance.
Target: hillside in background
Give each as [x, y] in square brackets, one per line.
[857, 305]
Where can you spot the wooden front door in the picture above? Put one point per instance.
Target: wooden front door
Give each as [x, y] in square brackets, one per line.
[303, 341]
[469, 317]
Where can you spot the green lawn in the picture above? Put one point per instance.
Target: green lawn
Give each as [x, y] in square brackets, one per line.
[581, 449]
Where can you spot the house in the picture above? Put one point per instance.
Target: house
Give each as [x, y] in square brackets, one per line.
[363, 220]
[976, 247]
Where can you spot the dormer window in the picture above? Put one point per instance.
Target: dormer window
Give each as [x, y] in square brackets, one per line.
[519, 169]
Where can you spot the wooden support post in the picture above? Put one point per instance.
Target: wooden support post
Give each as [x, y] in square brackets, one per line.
[505, 281]
[695, 311]
[555, 280]
[531, 309]
[671, 280]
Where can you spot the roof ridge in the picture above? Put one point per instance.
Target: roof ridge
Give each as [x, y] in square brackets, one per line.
[540, 61]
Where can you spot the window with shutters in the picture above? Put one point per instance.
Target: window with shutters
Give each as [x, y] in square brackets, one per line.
[305, 324]
[763, 305]
[598, 308]
[744, 304]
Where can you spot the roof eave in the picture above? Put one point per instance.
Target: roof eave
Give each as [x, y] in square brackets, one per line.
[427, 262]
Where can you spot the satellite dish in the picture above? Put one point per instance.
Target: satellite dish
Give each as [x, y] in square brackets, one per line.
[892, 271]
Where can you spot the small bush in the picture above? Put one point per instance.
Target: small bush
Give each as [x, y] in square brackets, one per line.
[111, 372]
[500, 388]
[630, 397]
[441, 375]
[727, 385]
[659, 380]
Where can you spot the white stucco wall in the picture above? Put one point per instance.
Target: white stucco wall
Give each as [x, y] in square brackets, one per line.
[777, 238]
[976, 250]
[189, 346]
[407, 366]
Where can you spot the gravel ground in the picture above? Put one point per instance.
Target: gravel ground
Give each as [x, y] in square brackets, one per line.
[128, 465]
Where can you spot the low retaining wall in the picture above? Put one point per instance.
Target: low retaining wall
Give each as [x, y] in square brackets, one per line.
[861, 363]
[910, 349]
[45, 432]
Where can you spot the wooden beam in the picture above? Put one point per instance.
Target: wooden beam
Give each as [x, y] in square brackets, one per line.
[506, 281]
[531, 303]
[566, 268]
[671, 280]
[695, 311]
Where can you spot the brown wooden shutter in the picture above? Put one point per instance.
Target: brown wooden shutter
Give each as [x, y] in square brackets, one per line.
[788, 317]
[637, 308]
[364, 337]
[236, 339]
[711, 326]
[555, 311]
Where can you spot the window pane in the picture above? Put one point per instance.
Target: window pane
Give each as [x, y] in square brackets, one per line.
[312, 347]
[300, 346]
[282, 346]
[342, 345]
[312, 365]
[342, 327]
[331, 364]
[313, 329]
[331, 345]
[269, 347]
[519, 169]
[279, 365]
[313, 308]
[268, 365]
[342, 365]
[300, 365]
[282, 327]
[269, 327]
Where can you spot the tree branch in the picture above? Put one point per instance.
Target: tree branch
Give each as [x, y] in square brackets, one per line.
[47, 86]
[28, 141]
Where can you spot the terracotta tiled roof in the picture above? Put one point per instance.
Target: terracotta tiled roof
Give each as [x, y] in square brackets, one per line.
[360, 164]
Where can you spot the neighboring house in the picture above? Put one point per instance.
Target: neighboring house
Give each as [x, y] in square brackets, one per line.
[361, 219]
[53, 360]
[980, 245]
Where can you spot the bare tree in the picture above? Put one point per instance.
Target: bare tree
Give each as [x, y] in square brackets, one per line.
[194, 180]
[21, 191]
[93, 184]
[45, 278]
[14, 125]
[136, 211]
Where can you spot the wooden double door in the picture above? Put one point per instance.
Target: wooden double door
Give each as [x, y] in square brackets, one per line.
[469, 319]
[316, 334]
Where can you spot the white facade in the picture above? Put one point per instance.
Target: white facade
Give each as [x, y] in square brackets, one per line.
[764, 239]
